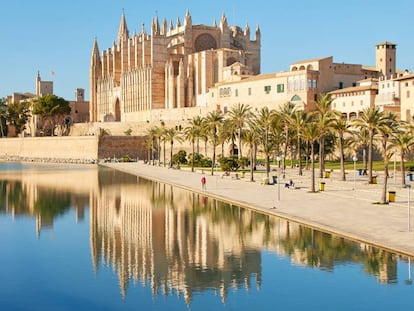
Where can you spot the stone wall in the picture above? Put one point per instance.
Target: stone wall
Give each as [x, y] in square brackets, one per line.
[72, 149]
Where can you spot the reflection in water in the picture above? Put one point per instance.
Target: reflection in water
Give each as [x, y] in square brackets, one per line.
[174, 241]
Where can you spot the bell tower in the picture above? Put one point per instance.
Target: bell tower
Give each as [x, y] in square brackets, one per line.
[385, 58]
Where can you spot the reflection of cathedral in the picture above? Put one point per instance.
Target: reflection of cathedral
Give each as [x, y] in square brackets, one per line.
[166, 240]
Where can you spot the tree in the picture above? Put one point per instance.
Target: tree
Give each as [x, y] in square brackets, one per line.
[341, 128]
[264, 121]
[311, 133]
[53, 110]
[171, 135]
[18, 114]
[298, 120]
[252, 138]
[286, 112]
[3, 117]
[403, 141]
[191, 133]
[239, 115]
[369, 119]
[324, 118]
[213, 121]
[387, 126]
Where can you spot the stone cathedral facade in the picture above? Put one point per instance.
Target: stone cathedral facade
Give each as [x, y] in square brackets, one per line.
[169, 69]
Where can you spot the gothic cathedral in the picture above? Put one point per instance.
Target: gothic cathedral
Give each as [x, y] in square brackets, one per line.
[171, 68]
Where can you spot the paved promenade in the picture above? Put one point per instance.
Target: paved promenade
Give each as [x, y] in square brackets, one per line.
[339, 209]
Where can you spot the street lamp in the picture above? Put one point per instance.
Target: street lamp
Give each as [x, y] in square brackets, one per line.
[408, 205]
[355, 159]
[278, 178]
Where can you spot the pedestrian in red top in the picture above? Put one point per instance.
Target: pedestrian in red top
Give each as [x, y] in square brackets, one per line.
[203, 183]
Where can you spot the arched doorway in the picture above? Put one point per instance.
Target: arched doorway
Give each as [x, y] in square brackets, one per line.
[117, 111]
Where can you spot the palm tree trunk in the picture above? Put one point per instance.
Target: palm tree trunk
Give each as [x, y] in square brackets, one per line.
[163, 148]
[402, 169]
[171, 154]
[384, 188]
[192, 158]
[213, 163]
[252, 162]
[240, 143]
[300, 157]
[312, 167]
[341, 154]
[267, 165]
[321, 157]
[370, 151]
[364, 158]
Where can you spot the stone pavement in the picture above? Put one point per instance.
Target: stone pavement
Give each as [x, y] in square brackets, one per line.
[339, 209]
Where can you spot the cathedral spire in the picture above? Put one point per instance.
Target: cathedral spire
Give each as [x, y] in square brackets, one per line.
[123, 33]
[187, 19]
[95, 52]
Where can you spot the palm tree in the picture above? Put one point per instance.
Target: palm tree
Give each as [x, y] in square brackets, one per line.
[197, 123]
[386, 128]
[370, 119]
[252, 138]
[151, 137]
[264, 122]
[403, 141]
[361, 140]
[239, 115]
[311, 133]
[324, 116]
[213, 121]
[298, 120]
[226, 133]
[171, 135]
[286, 112]
[341, 128]
[191, 133]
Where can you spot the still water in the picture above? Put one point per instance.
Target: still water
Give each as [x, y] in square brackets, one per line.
[89, 238]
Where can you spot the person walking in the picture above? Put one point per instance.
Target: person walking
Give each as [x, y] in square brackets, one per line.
[203, 183]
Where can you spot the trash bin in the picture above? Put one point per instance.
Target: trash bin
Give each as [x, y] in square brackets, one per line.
[391, 196]
[360, 172]
[327, 174]
[410, 176]
[374, 179]
[243, 174]
[274, 179]
[321, 186]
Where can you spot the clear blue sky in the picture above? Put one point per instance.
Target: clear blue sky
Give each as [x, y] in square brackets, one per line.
[53, 35]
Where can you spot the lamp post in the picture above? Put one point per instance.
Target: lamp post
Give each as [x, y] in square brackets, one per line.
[355, 159]
[408, 206]
[278, 178]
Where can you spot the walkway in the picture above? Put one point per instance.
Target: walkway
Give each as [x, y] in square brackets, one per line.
[340, 209]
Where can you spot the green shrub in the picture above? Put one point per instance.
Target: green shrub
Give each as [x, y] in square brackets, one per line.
[228, 164]
[180, 157]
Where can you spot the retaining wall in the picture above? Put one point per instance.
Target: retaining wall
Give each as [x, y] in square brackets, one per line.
[76, 149]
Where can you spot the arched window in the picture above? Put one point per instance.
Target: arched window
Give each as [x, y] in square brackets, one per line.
[205, 42]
